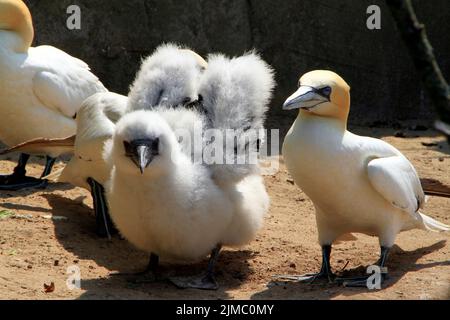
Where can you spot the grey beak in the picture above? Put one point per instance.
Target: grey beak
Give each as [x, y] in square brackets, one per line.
[144, 157]
[305, 97]
[142, 152]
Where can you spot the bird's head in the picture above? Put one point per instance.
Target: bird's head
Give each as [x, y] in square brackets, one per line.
[15, 17]
[143, 143]
[321, 93]
[169, 77]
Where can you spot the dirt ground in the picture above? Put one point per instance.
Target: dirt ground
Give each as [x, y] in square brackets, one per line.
[36, 250]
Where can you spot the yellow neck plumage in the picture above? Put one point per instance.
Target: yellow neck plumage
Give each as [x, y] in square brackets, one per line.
[15, 17]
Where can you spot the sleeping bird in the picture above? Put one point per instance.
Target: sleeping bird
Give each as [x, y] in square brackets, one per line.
[41, 90]
[172, 207]
[357, 184]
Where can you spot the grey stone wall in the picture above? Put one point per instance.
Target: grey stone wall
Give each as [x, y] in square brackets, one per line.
[294, 36]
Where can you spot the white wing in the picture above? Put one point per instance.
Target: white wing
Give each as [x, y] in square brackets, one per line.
[397, 181]
[62, 82]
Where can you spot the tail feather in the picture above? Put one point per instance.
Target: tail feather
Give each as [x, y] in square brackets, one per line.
[433, 187]
[44, 146]
[432, 224]
[55, 176]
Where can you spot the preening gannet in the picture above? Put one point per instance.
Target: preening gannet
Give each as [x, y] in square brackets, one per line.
[171, 72]
[357, 184]
[168, 205]
[41, 90]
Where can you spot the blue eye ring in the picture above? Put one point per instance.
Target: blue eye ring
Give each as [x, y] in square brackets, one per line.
[325, 91]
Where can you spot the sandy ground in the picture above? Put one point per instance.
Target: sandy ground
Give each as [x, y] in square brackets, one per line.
[35, 250]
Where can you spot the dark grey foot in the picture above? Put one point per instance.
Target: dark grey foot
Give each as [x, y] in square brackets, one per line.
[204, 282]
[149, 275]
[18, 180]
[207, 282]
[16, 183]
[370, 280]
[325, 270]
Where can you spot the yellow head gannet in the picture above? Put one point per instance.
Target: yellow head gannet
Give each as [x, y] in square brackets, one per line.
[357, 184]
[41, 89]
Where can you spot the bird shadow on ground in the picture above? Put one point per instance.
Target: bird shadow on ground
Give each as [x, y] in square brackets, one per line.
[399, 264]
[76, 235]
[29, 191]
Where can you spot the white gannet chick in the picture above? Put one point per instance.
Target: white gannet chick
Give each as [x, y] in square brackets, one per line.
[159, 200]
[41, 90]
[168, 77]
[357, 184]
[236, 93]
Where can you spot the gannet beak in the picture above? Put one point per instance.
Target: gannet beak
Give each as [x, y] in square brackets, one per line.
[305, 97]
[142, 152]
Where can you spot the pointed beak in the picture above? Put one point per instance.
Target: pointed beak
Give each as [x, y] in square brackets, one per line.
[142, 152]
[144, 157]
[305, 97]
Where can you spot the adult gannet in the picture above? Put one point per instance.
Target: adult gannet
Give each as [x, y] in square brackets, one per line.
[357, 184]
[41, 90]
[172, 207]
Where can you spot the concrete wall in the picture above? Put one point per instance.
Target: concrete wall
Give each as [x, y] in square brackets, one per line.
[294, 36]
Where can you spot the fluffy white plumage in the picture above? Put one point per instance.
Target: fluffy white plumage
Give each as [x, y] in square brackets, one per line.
[236, 94]
[41, 88]
[168, 77]
[177, 208]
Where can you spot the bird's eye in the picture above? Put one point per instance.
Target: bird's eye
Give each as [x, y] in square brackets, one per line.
[128, 148]
[326, 91]
[155, 145]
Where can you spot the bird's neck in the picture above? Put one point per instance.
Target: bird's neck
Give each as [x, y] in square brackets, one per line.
[339, 124]
[15, 17]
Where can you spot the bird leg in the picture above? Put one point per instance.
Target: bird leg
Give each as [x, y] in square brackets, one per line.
[149, 275]
[48, 166]
[324, 273]
[18, 179]
[103, 224]
[203, 282]
[364, 281]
